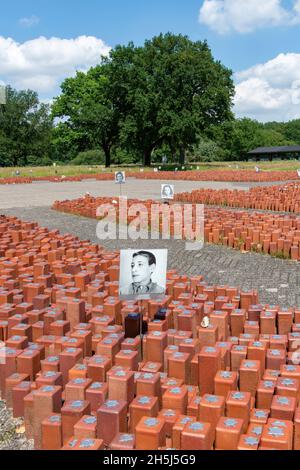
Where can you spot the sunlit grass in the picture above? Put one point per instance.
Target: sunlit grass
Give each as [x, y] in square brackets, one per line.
[73, 170]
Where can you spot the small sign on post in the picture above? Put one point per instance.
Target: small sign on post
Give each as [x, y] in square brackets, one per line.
[167, 191]
[2, 94]
[120, 178]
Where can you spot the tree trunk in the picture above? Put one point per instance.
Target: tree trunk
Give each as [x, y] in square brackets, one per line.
[107, 157]
[182, 156]
[147, 158]
[173, 153]
[17, 159]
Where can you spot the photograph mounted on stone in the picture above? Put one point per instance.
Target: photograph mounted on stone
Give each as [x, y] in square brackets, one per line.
[143, 274]
[167, 191]
[120, 177]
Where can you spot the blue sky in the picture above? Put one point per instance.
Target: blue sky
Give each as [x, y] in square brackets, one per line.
[261, 44]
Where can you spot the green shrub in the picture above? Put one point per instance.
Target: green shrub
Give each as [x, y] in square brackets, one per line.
[205, 151]
[123, 157]
[89, 157]
[33, 160]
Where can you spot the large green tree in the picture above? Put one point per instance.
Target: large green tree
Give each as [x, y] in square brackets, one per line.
[25, 128]
[171, 90]
[88, 117]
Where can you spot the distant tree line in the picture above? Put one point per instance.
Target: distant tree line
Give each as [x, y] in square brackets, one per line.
[26, 128]
[169, 97]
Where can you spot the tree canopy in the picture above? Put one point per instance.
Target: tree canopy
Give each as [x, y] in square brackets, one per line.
[25, 128]
[168, 97]
[166, 92]
[89, 119]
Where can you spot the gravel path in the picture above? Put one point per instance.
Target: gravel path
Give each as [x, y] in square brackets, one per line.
[10, 437]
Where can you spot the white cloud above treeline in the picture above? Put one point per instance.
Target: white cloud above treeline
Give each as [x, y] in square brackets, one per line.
[267, 91]
[270, 91]
[42, 64]
[245, 16]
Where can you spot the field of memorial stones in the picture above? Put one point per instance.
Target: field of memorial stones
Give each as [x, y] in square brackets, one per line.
[214, 363]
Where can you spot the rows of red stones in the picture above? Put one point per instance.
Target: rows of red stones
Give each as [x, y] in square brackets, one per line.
[284, 198]
[56, 179]
[190, 175]
[71, 369]
[268, 233]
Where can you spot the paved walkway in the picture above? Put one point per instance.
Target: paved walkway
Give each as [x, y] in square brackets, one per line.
[42, 193]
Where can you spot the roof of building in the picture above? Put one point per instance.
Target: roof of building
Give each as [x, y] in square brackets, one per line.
[284, 149]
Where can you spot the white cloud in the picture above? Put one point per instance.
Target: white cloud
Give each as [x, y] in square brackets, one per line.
[244, 16]
[47, 101]
[42, 63]
[30, 21]
[270, 91]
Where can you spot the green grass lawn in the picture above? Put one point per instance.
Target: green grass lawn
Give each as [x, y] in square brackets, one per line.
[66, 170]
[72, 170]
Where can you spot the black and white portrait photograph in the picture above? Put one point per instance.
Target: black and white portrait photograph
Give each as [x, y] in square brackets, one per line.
[143, 273]
[120, 177]
[167, 191]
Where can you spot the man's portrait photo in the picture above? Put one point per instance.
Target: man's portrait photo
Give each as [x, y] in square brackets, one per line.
[120, 177]
[143, 273]
[167, 191]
